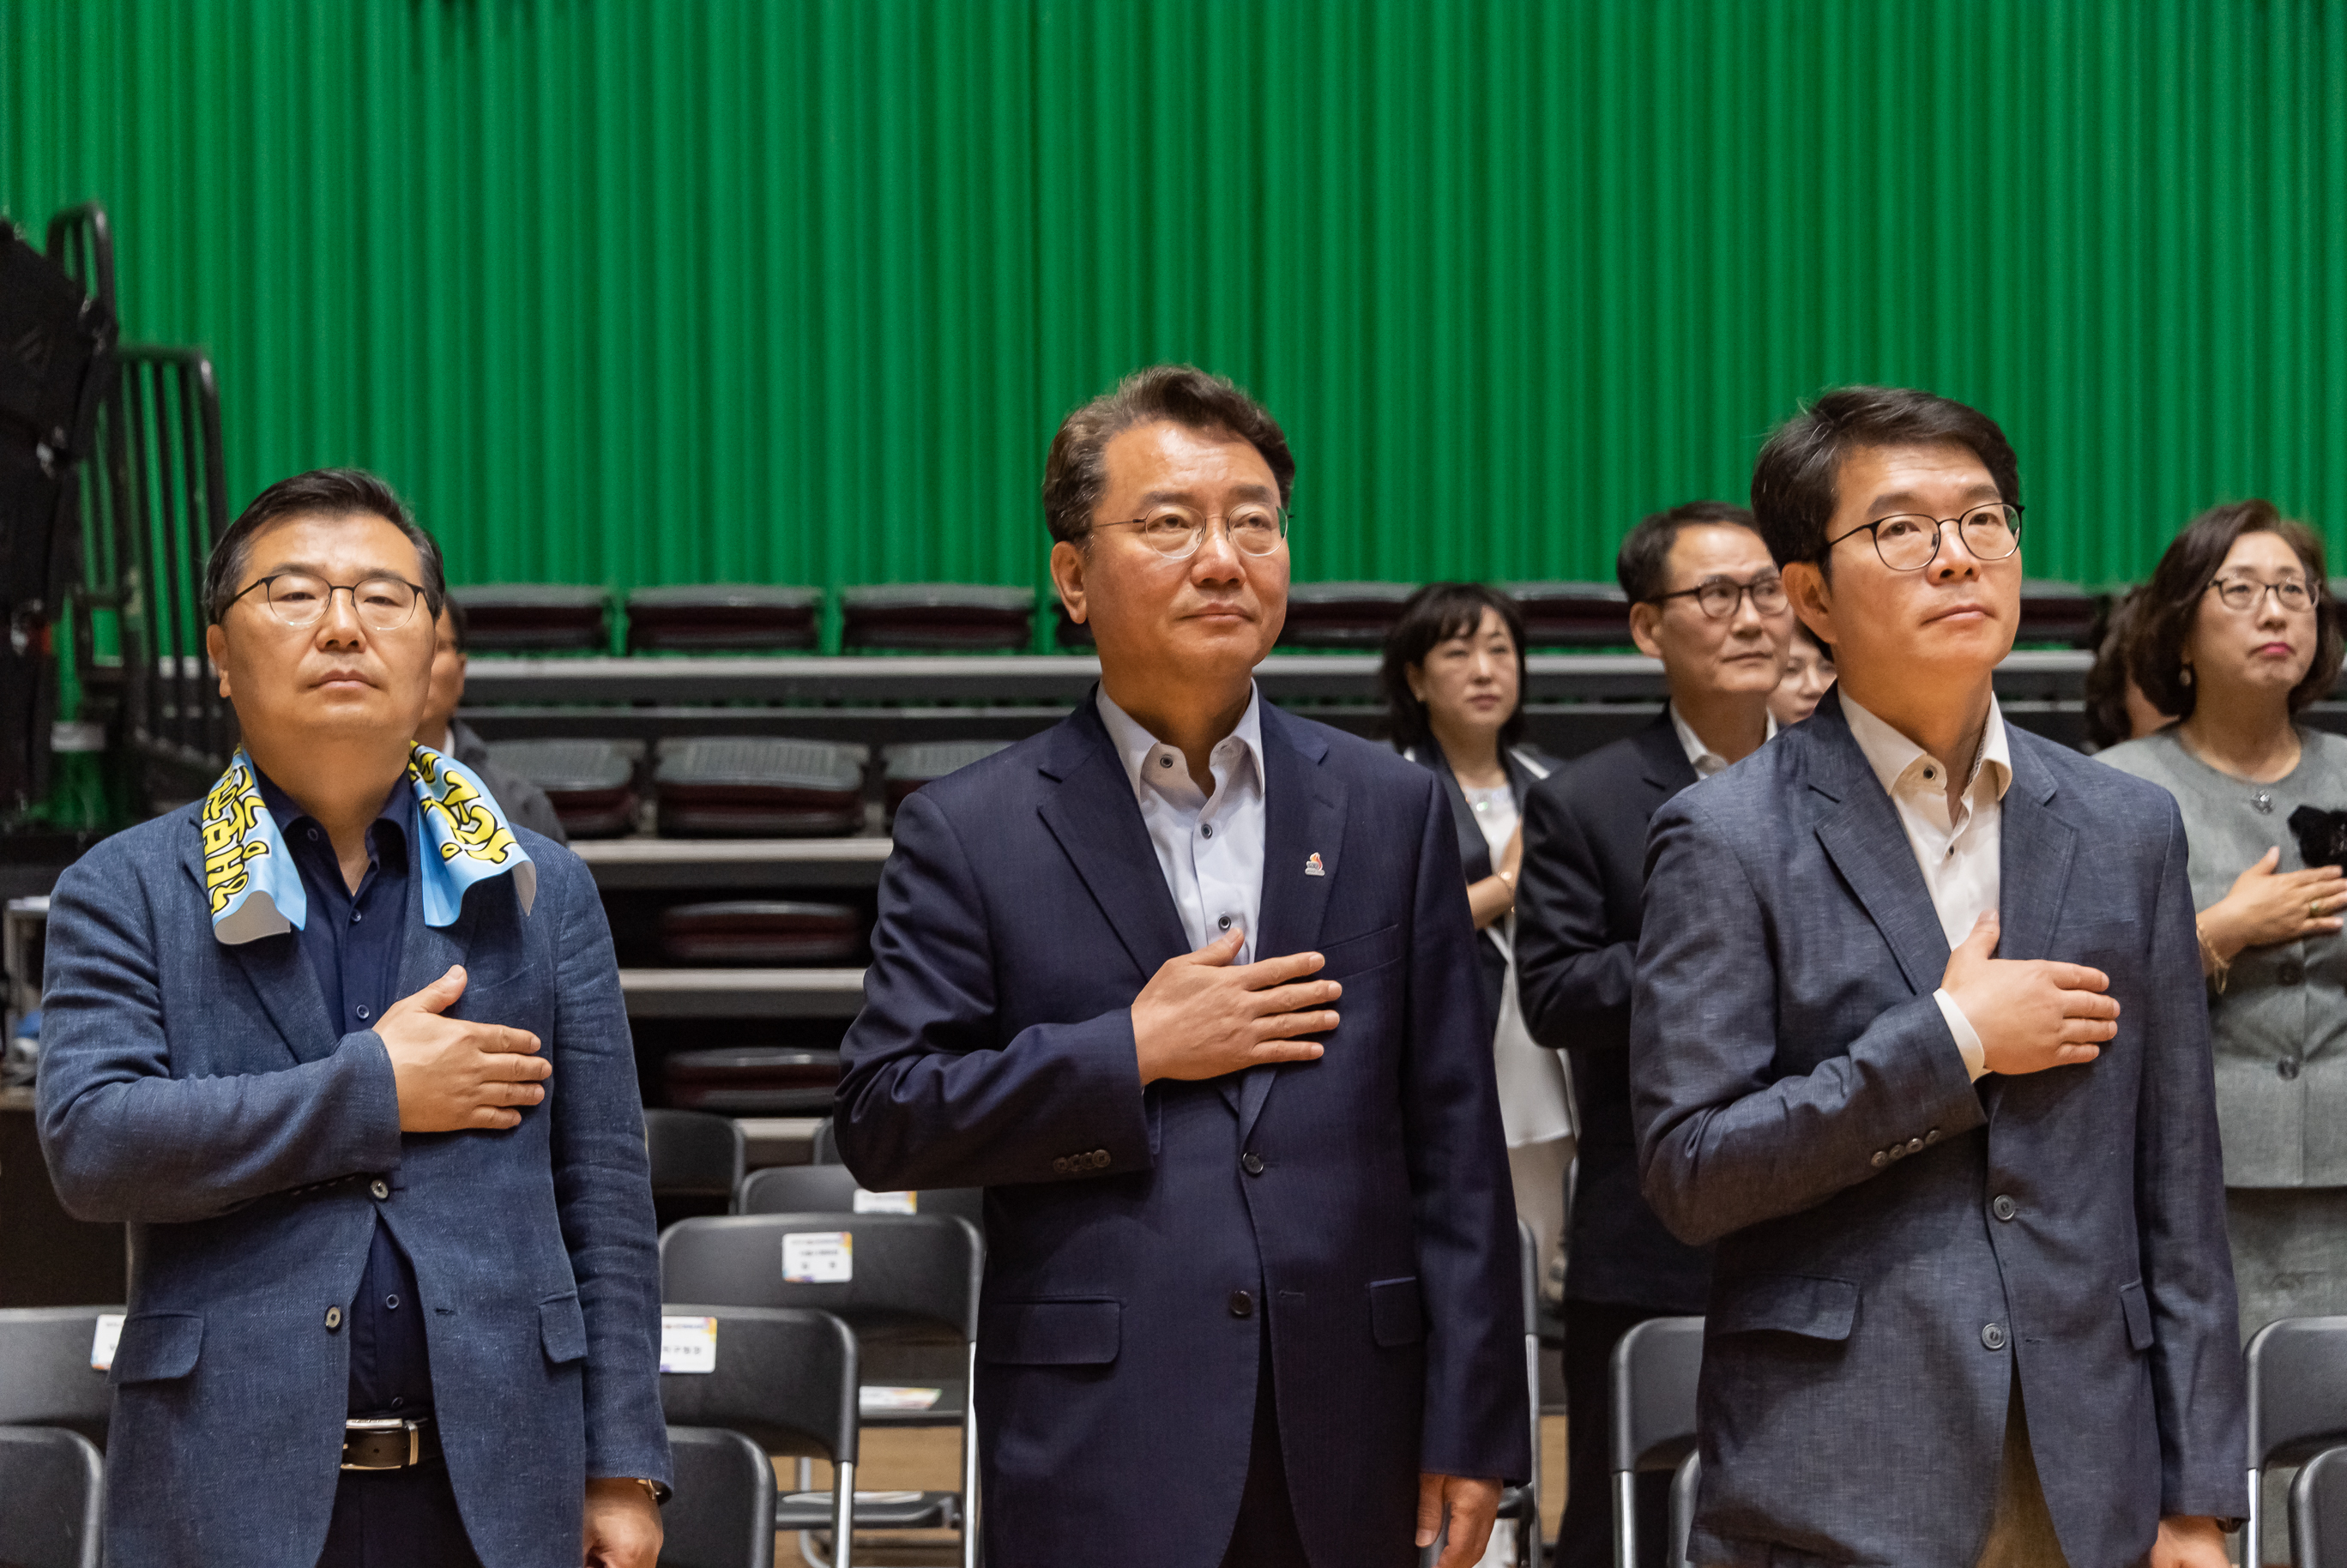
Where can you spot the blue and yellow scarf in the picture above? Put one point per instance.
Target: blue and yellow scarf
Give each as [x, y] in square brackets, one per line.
[256, 890]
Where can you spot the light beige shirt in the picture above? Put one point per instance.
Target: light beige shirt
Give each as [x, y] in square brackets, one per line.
[1699, 755]
[1956, 850]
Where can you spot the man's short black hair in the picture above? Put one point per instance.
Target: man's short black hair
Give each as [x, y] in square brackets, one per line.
[320, 493]
[1643, 566]
[1795, 482]
[1075, 473]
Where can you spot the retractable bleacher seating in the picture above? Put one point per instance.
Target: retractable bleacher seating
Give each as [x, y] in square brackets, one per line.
[759, 787]
[2059, 612]
[906, 768]
[534, 617]
[703, 618]
[591, 784]
[937, 617]
[1342, 615]
[770, 933]
[751, 1079]
[1571, 614]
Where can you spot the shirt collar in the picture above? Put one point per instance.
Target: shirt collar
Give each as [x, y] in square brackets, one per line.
[1899, 762]
[1700, 756]
[1163, 767]
[397, 808]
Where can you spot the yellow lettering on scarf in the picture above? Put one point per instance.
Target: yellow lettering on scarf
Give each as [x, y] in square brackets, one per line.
[474, 830]
[230, 812]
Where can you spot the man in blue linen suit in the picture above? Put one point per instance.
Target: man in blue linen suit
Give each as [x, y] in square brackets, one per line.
[1190, 987]
[1972, 1302]
[394, 1295]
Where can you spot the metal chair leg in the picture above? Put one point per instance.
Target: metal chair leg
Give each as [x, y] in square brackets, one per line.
[1625, 1518]
[969, 1546]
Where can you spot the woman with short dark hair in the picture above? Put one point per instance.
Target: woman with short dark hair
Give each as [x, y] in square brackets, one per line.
[2236, 632]
[1454, 678]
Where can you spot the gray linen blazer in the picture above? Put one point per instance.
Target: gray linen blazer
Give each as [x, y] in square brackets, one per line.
[1896, 1245]
[2280, 1024]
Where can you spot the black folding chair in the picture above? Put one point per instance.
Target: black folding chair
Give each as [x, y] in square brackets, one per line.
[1653, 1413]
[1522, 1505]
[2318, 1512]
[831, 1190]
[785, 1380]
[2297, 1374]
[722, 1515]
[911, 1296]
[51, 1490]
[1683, 1487]
[46, 1378]
[823, 1148]
[697, 1160]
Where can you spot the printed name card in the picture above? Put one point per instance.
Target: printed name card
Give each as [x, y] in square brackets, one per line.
[873, 1399]
[688, 1344]
[887, 1203]
[818, 1257]
[102, 1344]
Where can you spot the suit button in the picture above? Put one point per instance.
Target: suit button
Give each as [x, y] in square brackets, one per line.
[380, 1189]
[1914, 1146]
[2004, 1208]
[1897, 1151]
[1880, 1159]
[2291, 973]
[2287, 1068]
[1251, 1162]
[333, 1318]
[1242, 1303]
[1932, 1137]
[1993, 1336]
[1061, 1164]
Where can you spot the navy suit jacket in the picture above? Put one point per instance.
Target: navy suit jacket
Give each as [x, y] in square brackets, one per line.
[1022, 913]
[1893, 1243]
[199, 1092]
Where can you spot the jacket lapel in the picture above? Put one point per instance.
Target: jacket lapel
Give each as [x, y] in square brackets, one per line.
[1304, 816]
[1098, 825]
[2033, 859]
[1868, 845]
[1667, 768]
[281, 978]
[1474, 854]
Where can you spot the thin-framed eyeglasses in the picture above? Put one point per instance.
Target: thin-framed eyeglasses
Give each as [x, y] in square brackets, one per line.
[1910, 541]
[1255, 528]
[1718, 597]
[298, 599]
[2243, 594]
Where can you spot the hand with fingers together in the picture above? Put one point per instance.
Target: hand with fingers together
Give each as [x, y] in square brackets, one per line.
[454, 1076]
[1202, 1016]
[2030, 1013]
[2265, 906]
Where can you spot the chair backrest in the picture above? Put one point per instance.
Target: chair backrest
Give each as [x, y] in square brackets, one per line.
[823, 1148]
[52, 1485]
[722, 1515]
[783, 1376]
[832, 1189]
[46, 1378]
[2297, 1375]
[913, 1275]
[1683, 1490]
[1653, 1407]
[695, 1153]
[2318, 1512]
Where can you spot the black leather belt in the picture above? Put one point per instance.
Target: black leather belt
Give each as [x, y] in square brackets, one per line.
[389, 1443]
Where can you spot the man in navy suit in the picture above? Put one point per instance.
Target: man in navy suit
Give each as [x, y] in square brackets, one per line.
[1919, 1040]
[1190, 987]
[347, 1051]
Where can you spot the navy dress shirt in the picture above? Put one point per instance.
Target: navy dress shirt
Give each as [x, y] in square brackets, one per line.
[355, 942]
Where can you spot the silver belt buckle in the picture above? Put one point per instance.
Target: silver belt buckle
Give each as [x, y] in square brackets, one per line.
[387, 1424]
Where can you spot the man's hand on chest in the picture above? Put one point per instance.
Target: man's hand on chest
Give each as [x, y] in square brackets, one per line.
[452, 1076]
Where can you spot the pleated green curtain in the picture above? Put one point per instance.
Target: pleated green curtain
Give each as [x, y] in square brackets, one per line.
[653, 291]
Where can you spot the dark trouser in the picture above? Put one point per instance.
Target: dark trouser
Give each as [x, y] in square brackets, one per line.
[1586, 1538]
[397, 1519]
[1266, 1535]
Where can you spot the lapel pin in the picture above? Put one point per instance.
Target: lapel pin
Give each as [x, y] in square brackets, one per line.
[1312, 867]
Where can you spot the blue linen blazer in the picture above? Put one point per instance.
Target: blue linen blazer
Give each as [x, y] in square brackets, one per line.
[1364, 1196]
[1892, 1242]
[198, 1092]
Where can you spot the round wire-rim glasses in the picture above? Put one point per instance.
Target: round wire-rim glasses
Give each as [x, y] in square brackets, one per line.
[1255, 528]
[298, 599]
[2242, 594]
[1910, 541]
[1718, 597]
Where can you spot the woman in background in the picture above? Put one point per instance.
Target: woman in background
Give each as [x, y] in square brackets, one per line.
[1809, 676]
[1453, 679]
[2238, 633]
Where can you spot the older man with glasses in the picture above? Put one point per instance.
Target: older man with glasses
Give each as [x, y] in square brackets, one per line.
[1189, 985]
[1705, 598]
[1918, 1041]
[393, 1298]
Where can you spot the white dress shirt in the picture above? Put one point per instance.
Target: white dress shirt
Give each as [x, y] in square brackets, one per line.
[1956, 852]
[1699, 755]
[1209, 846]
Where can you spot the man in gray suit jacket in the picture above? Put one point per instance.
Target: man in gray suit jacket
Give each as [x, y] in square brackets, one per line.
[346, 1050]
[1972, 1301]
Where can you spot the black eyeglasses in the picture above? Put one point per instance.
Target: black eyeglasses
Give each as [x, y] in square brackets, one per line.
[300, 599]
[1910, 541]
[2245, 593]
[1718, 597]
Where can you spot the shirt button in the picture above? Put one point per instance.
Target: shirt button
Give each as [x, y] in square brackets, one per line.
[1161, 762]
[2287, 1067]
[397, 1401]
[356, 917]
[2004, 1208]
[1206, 830]
[1224, 923]
[1242, 1303]
[2291, 973]
[380, 1189]
[1251, 1162]
[392, 1302]
[313, 835]
[333, 1318]
[1993, 1337]
[362, 1015]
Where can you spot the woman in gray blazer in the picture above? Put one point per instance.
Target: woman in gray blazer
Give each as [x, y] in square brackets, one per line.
[2238, 632]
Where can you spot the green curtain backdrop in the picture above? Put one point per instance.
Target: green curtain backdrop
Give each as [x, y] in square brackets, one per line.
[647, 291]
